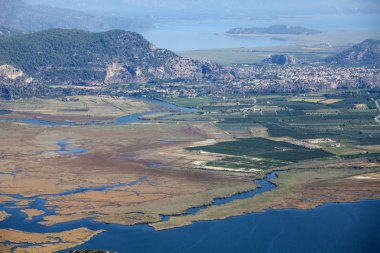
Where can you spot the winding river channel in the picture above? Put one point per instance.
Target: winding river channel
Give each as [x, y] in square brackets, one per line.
[132, 118]
[348, 227]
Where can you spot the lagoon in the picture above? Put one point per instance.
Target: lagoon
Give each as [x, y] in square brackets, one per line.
[348, 228]
[344, 227]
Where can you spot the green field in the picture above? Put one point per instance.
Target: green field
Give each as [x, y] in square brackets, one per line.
[189, 102]
[264, 148]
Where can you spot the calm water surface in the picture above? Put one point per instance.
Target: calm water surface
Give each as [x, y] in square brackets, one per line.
[335, 228]
[348, 228]
[183, 35]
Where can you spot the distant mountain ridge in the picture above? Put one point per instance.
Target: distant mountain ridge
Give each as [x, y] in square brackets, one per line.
[274, 29]
[365, 53]
[20, 15]
[61, 56]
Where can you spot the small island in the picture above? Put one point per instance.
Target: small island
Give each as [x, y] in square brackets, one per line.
[31, 213]
[273, 30]
[3, 215]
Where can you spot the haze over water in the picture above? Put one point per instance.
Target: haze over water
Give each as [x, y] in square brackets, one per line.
[191, 25]
[182, 35]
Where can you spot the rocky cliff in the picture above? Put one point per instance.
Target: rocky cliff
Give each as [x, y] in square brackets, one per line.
[15, 83]
[282, 59]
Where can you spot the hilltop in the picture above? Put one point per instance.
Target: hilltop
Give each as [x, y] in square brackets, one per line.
[78, 57]
[365, 53]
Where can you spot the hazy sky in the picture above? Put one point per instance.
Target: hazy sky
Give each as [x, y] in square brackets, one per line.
[222, 7]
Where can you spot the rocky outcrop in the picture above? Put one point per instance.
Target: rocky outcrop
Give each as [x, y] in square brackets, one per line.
[14, 82]
[173, 68]
[282, 59]
[10, 72]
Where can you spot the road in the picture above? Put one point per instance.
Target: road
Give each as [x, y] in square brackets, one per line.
[378, 108]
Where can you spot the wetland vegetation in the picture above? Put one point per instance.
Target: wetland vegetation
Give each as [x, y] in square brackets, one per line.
[178, 166]
[127, 161]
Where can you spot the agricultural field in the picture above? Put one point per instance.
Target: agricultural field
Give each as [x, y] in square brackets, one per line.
[78, 108]
[257, 54]
[274, 131]
[264, 148]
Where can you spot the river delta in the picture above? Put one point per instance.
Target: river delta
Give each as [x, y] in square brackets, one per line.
[123, 182]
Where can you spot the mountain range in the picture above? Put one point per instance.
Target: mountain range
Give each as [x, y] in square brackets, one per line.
[20, 15]
[68, 56]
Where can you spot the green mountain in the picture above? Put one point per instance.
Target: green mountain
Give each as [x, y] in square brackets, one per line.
[20, 15]
[366, 53]
[77, 57]
[274, 29]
